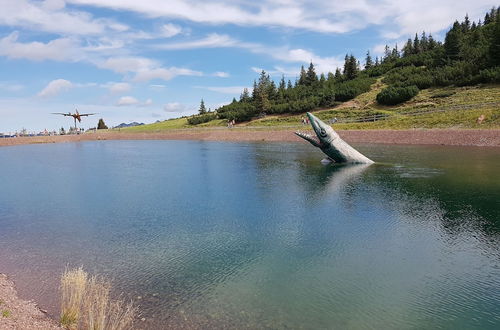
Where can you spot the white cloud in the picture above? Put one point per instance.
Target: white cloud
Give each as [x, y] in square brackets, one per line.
[334, 16]
[221, 74]
[170, 30]
[322, 64]
[58, 49]
[145, 69]
[175, 107]
[226, 89]
[213, 40]
[55, 87]
[11, 86]
[164, 74]
[51, 16]
[148, 102]
[127, 100]
[120, 87]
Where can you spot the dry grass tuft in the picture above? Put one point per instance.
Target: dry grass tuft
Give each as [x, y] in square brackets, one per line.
[73, 283]
[96, 311]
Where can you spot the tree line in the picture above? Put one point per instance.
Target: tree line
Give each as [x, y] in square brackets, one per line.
[469, 55]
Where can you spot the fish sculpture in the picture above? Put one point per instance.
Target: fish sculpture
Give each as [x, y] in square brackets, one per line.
[331, 144]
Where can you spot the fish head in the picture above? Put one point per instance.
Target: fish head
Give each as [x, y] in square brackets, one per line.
[324, 133]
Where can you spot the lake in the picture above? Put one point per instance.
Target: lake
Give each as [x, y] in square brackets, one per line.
[260, 235]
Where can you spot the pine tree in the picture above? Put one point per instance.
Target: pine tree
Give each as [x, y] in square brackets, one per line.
[289, 84]
[101, 124]
[322, 79]
[202, 110]
[368, 61]
[330, 77]
[262, 93]
[466, 24]
[338, 75]
[387, 53]
[495, 44]
[424, 42]
[254, 91]
[245, 96]
[303, 76]
[452, 42]
[431, 43]
[350, 67]
[395, 53]
[408, 48]
[311, 77]
[416, 45]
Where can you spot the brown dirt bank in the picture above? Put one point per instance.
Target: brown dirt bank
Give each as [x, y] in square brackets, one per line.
[456, 137]
[20, 314]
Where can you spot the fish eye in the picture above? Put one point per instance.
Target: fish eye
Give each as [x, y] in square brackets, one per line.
[322, 132]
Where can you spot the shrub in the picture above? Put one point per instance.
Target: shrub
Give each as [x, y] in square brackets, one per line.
[200, 119]
[348, 90]
[395, 95]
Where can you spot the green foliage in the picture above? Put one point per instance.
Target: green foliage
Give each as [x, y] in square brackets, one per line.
[6, 313]
[395, 95]
[200, 119]
[101, 124]
[202, 110]
[348, 90]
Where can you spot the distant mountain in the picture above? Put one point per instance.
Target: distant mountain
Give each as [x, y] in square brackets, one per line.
[123, 125]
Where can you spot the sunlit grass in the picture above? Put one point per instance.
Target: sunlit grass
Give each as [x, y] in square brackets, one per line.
[73, 282]
[86, 304]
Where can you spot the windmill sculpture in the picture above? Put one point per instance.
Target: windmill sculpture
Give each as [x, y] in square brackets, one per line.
[76, 116]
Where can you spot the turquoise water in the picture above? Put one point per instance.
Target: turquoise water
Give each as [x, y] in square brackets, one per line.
[260, 235]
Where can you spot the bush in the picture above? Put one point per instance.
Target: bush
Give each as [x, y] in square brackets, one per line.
[200, 119]
[395, 95]
[348, 90]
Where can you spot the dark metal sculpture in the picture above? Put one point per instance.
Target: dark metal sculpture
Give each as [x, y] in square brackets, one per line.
[76, 116]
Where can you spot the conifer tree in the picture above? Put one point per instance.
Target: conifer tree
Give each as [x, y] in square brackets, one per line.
[330, 77]
[368, 61]
[254, 91]
[408, 48]
[416, 45]
[338, 75]
[466, 24]
[245, 96]
[431, 44]
[452, 42]
[424, 42]
[311, 77]
[303, 76]
[387, 53]
[322, 79]
[202, 110]
[495, 44]
[100, 125]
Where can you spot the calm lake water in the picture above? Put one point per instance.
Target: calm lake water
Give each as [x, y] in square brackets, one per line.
[260, 235]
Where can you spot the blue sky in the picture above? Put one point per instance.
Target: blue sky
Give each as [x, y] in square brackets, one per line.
[151, 60]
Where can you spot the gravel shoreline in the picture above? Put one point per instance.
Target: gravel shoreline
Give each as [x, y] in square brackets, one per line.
[451, 137]
[16, 313]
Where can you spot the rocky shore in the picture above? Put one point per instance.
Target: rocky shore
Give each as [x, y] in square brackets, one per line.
[19, 314]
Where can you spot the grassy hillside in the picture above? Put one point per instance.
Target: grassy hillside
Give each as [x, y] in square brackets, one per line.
[450, 107]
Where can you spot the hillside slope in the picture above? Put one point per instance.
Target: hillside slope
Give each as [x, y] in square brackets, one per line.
[450, 107]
